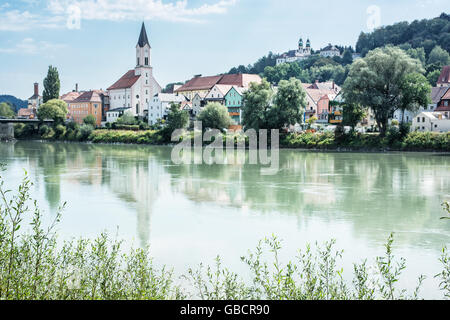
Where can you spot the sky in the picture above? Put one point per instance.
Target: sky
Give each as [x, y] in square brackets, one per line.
[92, 42]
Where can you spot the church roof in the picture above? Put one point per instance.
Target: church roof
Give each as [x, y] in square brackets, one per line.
[143, 40]
[127, 81]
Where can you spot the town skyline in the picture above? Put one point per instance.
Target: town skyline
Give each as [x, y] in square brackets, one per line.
[94, 61]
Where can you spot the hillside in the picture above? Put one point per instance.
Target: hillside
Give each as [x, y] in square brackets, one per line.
[426, 33]
[15, 102]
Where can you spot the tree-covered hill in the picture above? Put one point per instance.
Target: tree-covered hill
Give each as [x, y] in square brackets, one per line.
[426, 33]
[13, 101]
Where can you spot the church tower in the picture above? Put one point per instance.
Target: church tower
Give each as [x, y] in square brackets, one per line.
[300, 45]
[142, 52]
[308, 46]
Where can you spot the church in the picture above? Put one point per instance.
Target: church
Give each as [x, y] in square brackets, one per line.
[136, 87]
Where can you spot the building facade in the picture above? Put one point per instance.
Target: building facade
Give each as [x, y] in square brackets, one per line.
[136, 87]
[160, 104]
[330, 51]
[431, 122]
[87, 103]
[234, 102]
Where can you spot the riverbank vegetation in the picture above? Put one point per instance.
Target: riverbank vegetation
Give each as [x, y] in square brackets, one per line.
[34, 265]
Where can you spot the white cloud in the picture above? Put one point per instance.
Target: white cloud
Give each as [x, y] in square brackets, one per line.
[115, 10]
[58, 12]
[29, 46]
[15, 20]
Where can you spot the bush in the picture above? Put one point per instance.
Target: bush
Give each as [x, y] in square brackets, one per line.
[43, 129]
[60, 131]
[90, 120]
[22, 130]
[84, 132]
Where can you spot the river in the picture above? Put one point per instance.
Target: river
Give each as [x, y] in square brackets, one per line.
[188, 214]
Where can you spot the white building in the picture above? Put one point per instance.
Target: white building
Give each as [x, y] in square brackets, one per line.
[296, 55]
[330, 51]
[430, 122]
[136, 87]
[159, 106]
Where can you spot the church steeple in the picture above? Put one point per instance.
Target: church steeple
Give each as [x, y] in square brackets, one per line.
[143, 40]
[143, 50]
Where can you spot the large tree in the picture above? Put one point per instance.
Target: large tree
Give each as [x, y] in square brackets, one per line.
[415, 93]
[6, 110]
[256, 102]
[51, 85]
[439, 56]
[378, 82]
[289, 104]
[54, 109]
[215, 116]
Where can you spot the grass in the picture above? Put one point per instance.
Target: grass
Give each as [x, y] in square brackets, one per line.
[35, 266]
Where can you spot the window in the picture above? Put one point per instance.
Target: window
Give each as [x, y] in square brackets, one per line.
[146, 61]
[138, 61]
[418, 119]
[423, 119]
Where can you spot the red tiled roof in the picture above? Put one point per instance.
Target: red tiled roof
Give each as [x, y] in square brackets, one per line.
[70, 96]
[206, 83]
[127, 81]
[437, 93]
[26, 112]
[444, 78]
[240, 80]
[88, 96]
[199, 83]
[446, 96]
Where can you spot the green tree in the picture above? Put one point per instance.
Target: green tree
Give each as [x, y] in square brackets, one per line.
[416, 93]
[433, 77]
[378, 81]
[176, 119]
[256, 102]
[6, 110]
[51, 85]
[347, 58]
[53, 109]
[417, 53]
[90, 120]
[352, 114]
[289, 104]
[439, 56]
[215, 116]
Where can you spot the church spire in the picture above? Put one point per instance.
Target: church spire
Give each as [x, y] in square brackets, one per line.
[143, 40]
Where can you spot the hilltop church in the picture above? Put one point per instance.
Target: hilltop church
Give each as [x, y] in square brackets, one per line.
[135, 89]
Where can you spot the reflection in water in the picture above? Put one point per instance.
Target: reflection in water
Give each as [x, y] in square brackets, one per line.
[358, 196]
[375, 190]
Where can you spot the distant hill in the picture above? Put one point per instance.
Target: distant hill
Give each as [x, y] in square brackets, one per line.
[426, 33]
[15, 102]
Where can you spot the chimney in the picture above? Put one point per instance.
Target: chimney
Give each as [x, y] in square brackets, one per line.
[36, 89]
[76, 87]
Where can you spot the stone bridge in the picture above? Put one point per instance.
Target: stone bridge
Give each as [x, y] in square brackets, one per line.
[7, 126]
